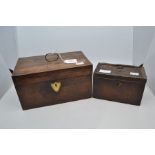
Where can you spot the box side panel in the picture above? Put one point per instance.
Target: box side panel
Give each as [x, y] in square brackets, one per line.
[118, 90]
[40, 94]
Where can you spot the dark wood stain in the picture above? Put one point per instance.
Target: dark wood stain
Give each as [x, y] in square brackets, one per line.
[119, 85]
[33, 77]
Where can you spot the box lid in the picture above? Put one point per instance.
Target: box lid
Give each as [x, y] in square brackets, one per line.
[119, 71]
[39, 64]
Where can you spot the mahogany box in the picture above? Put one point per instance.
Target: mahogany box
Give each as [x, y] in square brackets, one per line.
[51, 79]
[120, 83]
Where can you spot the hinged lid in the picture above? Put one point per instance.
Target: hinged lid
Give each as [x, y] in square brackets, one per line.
[119, 71]
[39, 64]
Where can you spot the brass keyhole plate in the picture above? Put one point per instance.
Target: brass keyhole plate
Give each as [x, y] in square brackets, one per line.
[56, 86]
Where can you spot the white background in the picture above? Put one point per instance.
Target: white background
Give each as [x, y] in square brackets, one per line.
[111, 44]
[123, 45]
[68, 12]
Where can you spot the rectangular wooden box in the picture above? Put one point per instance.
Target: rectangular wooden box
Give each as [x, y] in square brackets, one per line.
[121, 83]
[35, 79]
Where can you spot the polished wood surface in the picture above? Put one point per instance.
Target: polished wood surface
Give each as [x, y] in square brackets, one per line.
[119, 85]
[41, 94]
[38, 64]
[119, 71]
[33, 77]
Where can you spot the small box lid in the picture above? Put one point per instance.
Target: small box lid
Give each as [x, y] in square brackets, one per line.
[39, 64]
[120, 71]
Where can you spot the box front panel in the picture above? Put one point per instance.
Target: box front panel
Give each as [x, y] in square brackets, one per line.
[56, 91]
[118, 90]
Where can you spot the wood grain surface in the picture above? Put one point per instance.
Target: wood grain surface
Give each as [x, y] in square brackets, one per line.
[119, 85]
[33, 77]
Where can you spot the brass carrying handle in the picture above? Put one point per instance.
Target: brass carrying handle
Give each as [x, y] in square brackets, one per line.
[11, 71]
[141, 65]
[52, 55]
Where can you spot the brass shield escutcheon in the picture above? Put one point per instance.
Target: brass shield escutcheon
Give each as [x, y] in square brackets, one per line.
[56, 86]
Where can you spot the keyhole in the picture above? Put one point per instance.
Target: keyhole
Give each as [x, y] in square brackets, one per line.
[56, 85]
[119, 84]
